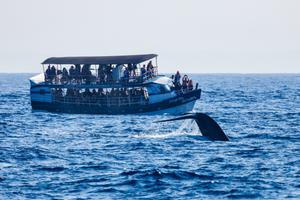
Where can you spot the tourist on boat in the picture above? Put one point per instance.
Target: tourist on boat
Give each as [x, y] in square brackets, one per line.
[124, 92]
[72, 72]
[143, 70]
[134, 68]
[172, 78]
[177, 77]
[109, 77]
[133, 95]
[116, 72]
[100, 92]
[83, 72]
[126, 74]
[87, 93]
[65, 75]
[86, 73]
[185, 81]
[177, 80]
[52, 73]
[190, 85]
[77, 72]
[184, 85]
[70, 94]
[101, 73]
[150, 68]
[130, 68]
[58, 72]
[112, 92]
[48, 74]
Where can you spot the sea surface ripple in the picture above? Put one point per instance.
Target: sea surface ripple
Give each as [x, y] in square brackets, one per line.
[65, 156]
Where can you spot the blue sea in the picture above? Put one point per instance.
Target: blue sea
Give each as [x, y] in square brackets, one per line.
[47, 155]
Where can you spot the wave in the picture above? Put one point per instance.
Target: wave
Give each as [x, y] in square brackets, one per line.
[47, 155]
[52, 169]
[158, 174]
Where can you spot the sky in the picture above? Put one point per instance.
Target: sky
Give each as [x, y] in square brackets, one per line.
[193, 36]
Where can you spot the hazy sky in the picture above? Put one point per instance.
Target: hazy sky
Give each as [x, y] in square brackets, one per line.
[257, 36]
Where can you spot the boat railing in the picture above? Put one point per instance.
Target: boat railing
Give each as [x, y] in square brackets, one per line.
[136, 77]
[182, 90]
[105, 100]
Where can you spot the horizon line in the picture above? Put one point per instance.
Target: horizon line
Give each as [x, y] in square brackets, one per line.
[182, 72]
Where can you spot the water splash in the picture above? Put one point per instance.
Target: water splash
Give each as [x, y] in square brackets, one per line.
[188, 127]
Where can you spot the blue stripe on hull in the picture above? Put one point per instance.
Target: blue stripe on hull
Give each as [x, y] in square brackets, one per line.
[100, 109]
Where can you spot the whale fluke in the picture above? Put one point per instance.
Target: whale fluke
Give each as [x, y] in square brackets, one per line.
[208, 127]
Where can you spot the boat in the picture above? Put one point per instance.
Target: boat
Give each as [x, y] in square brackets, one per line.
[125, 84]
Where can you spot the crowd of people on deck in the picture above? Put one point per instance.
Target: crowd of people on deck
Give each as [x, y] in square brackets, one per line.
[105, 73]
[100, 95]
[185, 83]
[116, 96]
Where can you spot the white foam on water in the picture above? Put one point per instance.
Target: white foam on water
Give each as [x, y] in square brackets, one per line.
[188, 127]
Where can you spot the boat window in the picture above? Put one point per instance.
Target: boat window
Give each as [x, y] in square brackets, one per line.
[167, 88]
[158, 89]
[152, 89]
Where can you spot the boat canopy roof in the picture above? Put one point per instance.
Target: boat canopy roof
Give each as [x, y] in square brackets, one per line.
[101, 60]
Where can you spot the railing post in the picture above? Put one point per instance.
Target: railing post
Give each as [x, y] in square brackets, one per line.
[107, 103]
[129, 100]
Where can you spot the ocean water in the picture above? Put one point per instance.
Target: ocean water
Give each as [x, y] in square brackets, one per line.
[65, 156]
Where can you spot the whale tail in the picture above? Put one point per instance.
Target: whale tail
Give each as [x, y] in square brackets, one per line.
[208, 127]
